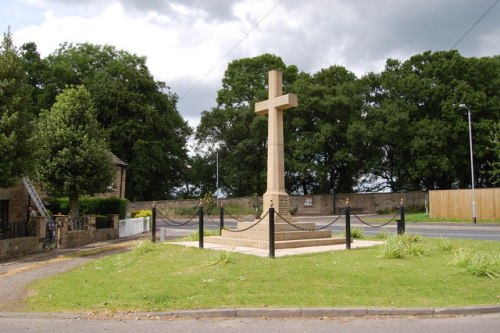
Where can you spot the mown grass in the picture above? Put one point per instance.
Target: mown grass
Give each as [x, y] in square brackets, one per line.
[159, 277]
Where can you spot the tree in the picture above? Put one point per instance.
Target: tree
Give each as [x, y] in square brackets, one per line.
[15, 119]
[320, 155]
[419, 137]
[71, 149]
[138, 113]
[234, 130]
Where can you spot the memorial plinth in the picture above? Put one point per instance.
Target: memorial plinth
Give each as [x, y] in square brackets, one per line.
[286, 235]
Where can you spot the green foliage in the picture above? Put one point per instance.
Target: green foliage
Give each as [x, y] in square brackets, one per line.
[137, 113]
[361, 280]
[15, 117]
[141, 213]
[478, 263]
[144, 247]
[220, 258]
[209, 203]
[72, 154]
[91, 205]
[445, 244]
[382, 235]
[356, 233]
[401, 246]
[195, 235]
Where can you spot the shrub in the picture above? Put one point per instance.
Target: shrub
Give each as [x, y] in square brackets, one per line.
[141, 213]
[91, 205]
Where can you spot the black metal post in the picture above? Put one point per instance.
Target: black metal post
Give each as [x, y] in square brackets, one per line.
[221, 219]
[200, 228]
[271, 232]
[347, 227]
[153, 225]
[401, 221]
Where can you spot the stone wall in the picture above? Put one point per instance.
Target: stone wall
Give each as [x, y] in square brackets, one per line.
[75, 238]
[321, 204]
[15, 247]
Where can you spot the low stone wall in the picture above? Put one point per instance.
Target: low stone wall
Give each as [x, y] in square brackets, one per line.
[16, 247]
[75, 238]
[321, 204]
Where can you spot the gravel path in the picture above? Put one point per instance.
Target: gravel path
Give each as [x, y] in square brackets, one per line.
[16, 275]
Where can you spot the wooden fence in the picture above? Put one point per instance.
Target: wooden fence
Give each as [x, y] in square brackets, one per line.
[458, 204]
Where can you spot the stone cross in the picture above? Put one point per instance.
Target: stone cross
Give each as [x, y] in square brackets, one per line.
[273, 107]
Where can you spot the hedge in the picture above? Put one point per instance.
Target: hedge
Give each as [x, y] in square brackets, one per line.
[91, 205]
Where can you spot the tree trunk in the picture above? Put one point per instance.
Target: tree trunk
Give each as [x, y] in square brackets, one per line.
[74, 205]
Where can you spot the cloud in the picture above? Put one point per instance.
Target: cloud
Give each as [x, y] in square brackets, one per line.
[186, 42]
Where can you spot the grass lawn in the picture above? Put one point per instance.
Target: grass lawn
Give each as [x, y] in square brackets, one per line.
[165, 276]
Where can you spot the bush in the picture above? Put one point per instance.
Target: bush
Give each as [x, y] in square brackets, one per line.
[141, 213]
[91, 205]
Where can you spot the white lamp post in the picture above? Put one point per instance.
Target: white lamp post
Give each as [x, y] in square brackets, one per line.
[465, 107]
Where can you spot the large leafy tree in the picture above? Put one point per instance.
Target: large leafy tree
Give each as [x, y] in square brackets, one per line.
[320, 156]
[15, 119]
[234, 131]
[418, 135]
[137, 112]
[71, 150]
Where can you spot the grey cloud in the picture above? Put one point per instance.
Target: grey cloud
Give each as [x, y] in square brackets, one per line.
[216, 9]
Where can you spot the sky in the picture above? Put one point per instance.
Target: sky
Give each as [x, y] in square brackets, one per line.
[189, 43]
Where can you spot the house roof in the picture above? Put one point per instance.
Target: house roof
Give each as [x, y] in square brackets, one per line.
[117, 161]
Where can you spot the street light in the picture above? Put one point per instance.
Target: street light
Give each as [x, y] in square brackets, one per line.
[465, 107]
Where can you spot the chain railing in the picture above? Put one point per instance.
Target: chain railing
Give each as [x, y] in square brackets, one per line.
[174, 223]
[247, 228]
[378, 225]
[308, 229]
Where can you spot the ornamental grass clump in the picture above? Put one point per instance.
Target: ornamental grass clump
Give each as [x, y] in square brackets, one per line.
[220, 258]
[478, 263]
[400, 246]
[145, 247]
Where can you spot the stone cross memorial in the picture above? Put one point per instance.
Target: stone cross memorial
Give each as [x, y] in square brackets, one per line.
[274, 107]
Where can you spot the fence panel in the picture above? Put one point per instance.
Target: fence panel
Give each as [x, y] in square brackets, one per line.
[458, 204]
[134, 226]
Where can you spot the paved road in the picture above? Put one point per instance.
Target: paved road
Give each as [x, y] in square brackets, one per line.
[448, 230]
[488, 323]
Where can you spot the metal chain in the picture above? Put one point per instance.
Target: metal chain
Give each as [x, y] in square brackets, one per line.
[176, 224]
[210, 219]
[375, 226]
[248, 228]
[307, 229]
[234, 218]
